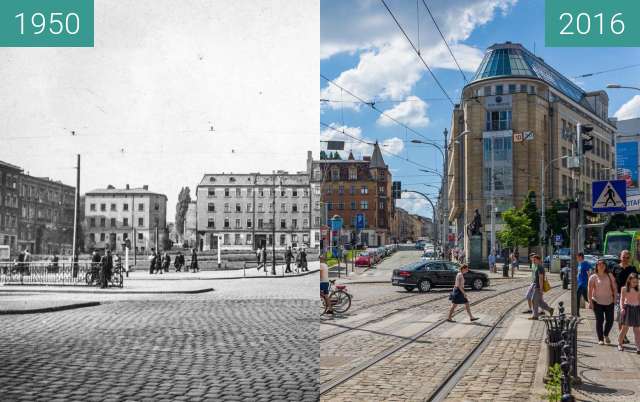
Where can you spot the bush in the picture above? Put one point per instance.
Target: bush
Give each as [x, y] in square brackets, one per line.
[553, 387]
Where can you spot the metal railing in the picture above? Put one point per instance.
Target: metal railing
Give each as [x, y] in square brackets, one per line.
[44, 273]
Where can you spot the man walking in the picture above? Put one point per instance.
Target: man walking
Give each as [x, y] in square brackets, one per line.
[106, 267]
[621, 273]
[537, 298]
[194, 261]
[259, 257]
[152, 261]
[303, 260]
[492, 262]
[158, 263]
[583, 279]
[288, 256]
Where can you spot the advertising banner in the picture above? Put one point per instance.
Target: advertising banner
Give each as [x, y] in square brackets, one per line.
[627, 164]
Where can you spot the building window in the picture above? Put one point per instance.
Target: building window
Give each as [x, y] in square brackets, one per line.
[226, 207]
[140, 221]
[211, 193]
[238, 192]
[294, 207]
[341, 190]
[238, 208]
[113, 207]
[125, 207]
[248, 223]
[564, 161]
[249, 239]
[512, 88]
[364, 190]
[92, 207]
[260, 223]
[283, 240]
[329, 206]
[102, 222]
[523, 88]
[226, 239]
[211, 207]
[226, 192]
[283, 223]
[499, 89]
[283, 207]
[564, 185]
[294, 192]
[92, 222]
[260, 208]
[305, 224]
[341, 206]
[353, 205]
[487, 90]
[211, 223]
[102, 236]
[140, 236]
[125, 221]
[140, 207]
[353, 173]
[226, 222]
[294, 223]
[364, 204]
[498, 120]
[92, 237]
[305, 192]
[335, 173]
[238, 224]
[261, 192]
[103, 207]
[352, 190]
[113, 222]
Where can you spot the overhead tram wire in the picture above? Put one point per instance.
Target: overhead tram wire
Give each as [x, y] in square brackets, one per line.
[417, 52]
[464, 77]
[607, 71]
[381, 149]
[372, 105]
[384, 101]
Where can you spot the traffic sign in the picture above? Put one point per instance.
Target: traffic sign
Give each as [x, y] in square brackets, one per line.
[359, 221]
[336, 223]
[609, 196]
[557, 239]
[633, 202]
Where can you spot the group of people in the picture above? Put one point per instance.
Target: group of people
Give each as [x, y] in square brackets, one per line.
[300, 259]
[458, 255]
[159, 263]
[104, 266]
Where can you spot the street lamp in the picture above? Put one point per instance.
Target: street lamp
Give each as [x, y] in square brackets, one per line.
[618, 86]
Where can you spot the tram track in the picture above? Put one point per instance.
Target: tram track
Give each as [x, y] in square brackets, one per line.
[329, 385]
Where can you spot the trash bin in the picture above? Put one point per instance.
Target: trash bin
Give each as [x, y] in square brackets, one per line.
[561, 330]
[505, 270]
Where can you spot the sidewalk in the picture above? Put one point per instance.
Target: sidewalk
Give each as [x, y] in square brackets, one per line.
[606, 373]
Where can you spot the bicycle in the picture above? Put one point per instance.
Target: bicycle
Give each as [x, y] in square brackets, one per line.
[339, 298]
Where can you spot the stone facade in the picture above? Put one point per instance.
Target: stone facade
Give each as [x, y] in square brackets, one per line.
[112, 216]
[505, 109]
[9, 205]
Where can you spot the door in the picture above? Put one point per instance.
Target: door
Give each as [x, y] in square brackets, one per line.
[451, 270]
[437, 272]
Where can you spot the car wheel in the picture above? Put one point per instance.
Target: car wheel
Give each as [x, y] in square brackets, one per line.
[477, 284]
[424, 286]
[408, 288]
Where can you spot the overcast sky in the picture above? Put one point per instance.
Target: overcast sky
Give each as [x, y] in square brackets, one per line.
[162, 73]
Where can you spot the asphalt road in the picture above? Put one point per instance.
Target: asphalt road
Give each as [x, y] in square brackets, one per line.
[248, 340]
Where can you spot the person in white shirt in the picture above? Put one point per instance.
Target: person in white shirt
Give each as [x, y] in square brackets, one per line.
[324, 286]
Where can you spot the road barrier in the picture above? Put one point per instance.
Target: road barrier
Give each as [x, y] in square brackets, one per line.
[50, 273]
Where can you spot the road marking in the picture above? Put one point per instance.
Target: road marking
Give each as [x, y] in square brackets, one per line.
[461, 329]
[379, 326]
[416, 325]
[520, 328]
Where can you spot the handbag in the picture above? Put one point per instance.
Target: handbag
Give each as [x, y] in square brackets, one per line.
[546, 286]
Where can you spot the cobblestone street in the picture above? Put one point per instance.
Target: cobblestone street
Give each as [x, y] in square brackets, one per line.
[246, 340]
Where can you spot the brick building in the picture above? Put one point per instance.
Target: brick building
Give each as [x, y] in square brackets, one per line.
[359, 187]
[9, 205]
[529, 112]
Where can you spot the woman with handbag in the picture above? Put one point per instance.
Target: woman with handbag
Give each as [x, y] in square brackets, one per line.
[458, 295]
[602, 295]
[540, 285]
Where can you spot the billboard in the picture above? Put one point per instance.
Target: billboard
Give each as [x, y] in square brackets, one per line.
[627, 164]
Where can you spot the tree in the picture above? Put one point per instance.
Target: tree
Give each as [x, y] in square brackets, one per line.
[517, 231]
[184, 198]
[557, 219]
[323, 155]
[530, 210]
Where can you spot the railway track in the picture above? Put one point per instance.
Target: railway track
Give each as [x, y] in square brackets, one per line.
[328, 386]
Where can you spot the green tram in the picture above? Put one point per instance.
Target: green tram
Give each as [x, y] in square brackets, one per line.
[615, 242]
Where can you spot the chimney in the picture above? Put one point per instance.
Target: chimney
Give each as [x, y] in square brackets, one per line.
[145, 187]
[127, 187]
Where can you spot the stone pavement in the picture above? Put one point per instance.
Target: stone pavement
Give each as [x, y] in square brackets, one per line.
[253, 340]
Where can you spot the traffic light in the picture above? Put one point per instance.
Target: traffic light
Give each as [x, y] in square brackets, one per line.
[586, 138]
[396, 190]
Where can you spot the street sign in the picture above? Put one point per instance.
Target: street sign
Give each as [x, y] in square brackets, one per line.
[527, 135]
[609, 196]
[336, 223]
[557, 239]
[359, 221]
[517, 137]
[633, 202]
[335, 145]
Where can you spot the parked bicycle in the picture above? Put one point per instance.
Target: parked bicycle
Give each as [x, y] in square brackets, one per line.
[92, 277]
[339, 298]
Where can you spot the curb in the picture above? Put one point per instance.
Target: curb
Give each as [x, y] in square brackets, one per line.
[226, 278]
[112, 292]
[49, 309]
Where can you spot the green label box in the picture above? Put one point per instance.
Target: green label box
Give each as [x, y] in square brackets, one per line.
[46, 23]
[592, 23]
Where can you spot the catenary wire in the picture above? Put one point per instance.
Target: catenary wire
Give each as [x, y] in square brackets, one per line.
[464, 77]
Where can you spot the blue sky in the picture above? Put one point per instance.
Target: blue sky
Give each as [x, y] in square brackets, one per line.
[363, 50]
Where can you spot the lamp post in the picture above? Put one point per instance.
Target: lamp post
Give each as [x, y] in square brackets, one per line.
[618, 86]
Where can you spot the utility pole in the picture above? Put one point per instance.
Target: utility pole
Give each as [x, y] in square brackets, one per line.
[574, 215]
[445, 195]
[493, 208]
[76, 211]
[273, 229]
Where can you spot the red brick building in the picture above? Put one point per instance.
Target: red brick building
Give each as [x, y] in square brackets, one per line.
[359, 187]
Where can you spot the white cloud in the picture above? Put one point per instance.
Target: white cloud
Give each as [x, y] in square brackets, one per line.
[412, 112]
[414, 204]
[360, 146]
[629, 110]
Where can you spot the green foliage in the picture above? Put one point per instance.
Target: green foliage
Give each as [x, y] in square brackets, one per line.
[529, 208]
[553, 385]
[323, 155]
[518, 229]
[184, 198]
[623, 221]
[556, 221]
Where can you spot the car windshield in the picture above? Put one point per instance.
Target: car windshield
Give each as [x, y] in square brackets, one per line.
[564, 251]
[412, 266]
[617, 243]
[364, 254]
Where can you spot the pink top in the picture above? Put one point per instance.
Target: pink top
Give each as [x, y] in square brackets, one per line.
[603, 289]
[460, 281]
[632, 297]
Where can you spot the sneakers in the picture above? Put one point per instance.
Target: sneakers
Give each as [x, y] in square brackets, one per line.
[607, 340]
[527, 312]
[474, 319]
[533, 318]
[600, 343]
[620, 348]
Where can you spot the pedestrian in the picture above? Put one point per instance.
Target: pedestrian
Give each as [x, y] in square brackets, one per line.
[152, 261]
[178, 262]
[166, 262]
[288, 256]
[623, 270]
[492, 262]
[324, 287]
[54, 263]
[95, 264]
[303, 260]
[514, 263]
[516, 253]
[539, 281]
[259, 257]
[458, 295]
[529, 294]
[601, 297]
[158, 263]
[584, 269]
[630, 311]
[264, 258]
[194, 261]
[106, 268]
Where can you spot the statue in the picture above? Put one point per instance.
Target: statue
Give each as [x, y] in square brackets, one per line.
[474, 227]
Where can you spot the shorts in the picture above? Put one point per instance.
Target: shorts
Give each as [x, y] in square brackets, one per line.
[529, 295]
[324, 288]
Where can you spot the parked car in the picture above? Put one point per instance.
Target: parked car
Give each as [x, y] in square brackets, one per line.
[364, 259]
[426, 275]
[420, 245]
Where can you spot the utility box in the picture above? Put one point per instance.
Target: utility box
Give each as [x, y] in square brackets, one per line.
[555, 265]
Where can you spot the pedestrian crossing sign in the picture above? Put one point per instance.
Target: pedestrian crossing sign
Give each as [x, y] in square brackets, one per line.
[609, 196]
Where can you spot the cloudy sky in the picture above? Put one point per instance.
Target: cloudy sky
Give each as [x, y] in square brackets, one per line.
[143, 101]
[363, 50]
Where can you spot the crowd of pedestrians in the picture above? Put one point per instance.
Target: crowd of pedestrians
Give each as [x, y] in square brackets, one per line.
[300, 259]
[159, 263]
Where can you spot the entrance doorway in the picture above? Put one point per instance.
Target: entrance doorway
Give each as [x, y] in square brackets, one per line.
[261, 240]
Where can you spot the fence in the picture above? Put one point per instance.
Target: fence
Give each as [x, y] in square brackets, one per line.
[44, 273]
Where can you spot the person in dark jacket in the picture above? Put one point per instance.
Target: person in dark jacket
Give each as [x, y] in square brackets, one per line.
[166, 262]
[158, 263]
[106, 268]
[194, 261]
[54, 263]
[95, 263]
[303, 260]
[178, 262]
[288, 256]
[152, 261]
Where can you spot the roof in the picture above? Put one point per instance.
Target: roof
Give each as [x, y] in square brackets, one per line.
[514, 60]
[123, 191]
[377, 161]
[9, 165]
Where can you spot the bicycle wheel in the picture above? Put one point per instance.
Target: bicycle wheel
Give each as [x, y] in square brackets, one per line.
[341, 301]
[324, 305]
[116, 279]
